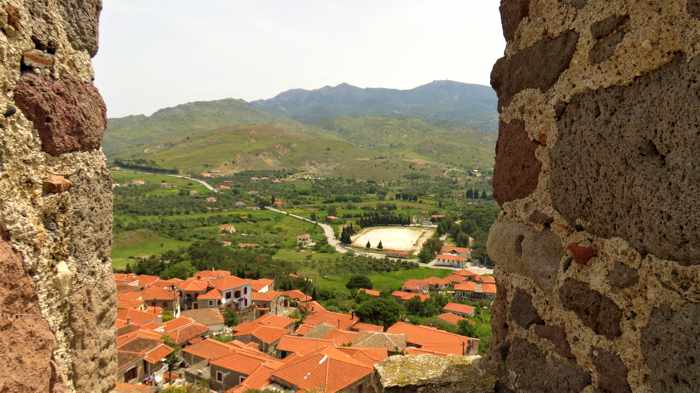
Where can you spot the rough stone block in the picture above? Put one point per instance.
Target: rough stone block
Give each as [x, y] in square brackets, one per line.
[37, 59]
[581, 254]
[433, 374]
[536, 67]
[531, 371]
[608, 34]
[626, 161]
[612, 372]
[622, 276]
[557, 336]
[55, 184]
[671, 347]
[519, 249]
[594, 309]
[517, 170]
[69, 114]
[522, 311]
[26, 342]
[81, 21]
[512, 13]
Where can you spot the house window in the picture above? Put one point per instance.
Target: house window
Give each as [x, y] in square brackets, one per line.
[238, 294]
[228, 295]
[241, 379]
[211, 303]
[131, 374]
[196, 306]
[219, 376]
[245, 290]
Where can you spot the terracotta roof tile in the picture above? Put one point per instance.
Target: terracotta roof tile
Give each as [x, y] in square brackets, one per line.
[259, 284]
[459, 309]
[432, 339]
[370, 292]
[158, 294]
[367, 327]
[302, 345]
[230, 282]
[211, 274]
[214, 294]
[193, 285]
[205, 316]
[452, 319]
[209, 349]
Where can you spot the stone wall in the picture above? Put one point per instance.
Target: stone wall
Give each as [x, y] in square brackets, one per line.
[57, 303]
[597, 250]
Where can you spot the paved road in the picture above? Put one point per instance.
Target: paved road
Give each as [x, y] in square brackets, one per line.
[202, 182]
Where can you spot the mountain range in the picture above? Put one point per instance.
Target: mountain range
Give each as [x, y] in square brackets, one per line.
[377, 133]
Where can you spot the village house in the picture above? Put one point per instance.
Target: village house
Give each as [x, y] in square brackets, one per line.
[212, 318]
[190, 290]
[265, 331]
[406, 296]
[262, 285]
[236, 292]
[394, 344]
[270, 302]
[462, 310]
[452, 319]
[425, 339]
[370, 292]
[305, 241]
[232, 370]
[140, 357]
[227, 228]
[155, 296]
[470, 290]
[182, 330]
[450, 260]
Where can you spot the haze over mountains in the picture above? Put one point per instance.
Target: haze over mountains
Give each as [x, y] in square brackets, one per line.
[344, 130]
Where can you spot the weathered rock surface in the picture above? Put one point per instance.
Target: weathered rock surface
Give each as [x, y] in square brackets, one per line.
[557, 336]
[433, 374]
[626, 161]
[621, 276]
[536, 67]
[517, 169]
[81, 20]
[608, 34]
[26, 342]
[512, 13]
[531, 371]
[594, 309]
[69, 114]
[522, 311]
[671, 347]
[612, 372]
[517, 248]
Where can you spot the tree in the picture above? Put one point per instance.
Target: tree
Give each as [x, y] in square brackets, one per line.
[381, 311]
[182, 270]
[167, 316]
[368, 245]
[230, 317]
[358, 281]
[380, 246]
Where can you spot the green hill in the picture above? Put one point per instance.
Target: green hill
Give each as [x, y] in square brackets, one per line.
[229, 136]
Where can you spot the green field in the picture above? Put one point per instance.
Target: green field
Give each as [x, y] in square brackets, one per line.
[140, 243]
[385, 281]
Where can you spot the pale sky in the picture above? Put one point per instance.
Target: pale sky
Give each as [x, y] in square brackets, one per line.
[160, 53]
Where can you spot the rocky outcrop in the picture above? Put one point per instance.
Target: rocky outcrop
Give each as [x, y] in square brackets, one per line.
[433, 374]
[597, 249]
[57, 300]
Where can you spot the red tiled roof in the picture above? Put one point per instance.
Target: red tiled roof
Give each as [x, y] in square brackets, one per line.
[266, 296]
[212, 274]
[259, 284]
[488, 288]
[230, 282]
[452, 319]
[129, 299]
[259, 379]
[450, 257]
[327, 370]
[298, 295]
[431, 339]
[406, 296]
[146, 280]
[158, 294]
[485, 279]
[302, 345]
[368, 356]
[457, 250]
[132, 388]
[414, 285]
[458, 308]
[136, 317]
[337, 320]
[158, 354]
[277, 321]
[367, 327]
[465, 273]
[205, 316]
[183, 329]
[455, 278]
[466, 286]
[214, 294]
[193, 285]
[209, 349]
[241, 363]
[269, 334]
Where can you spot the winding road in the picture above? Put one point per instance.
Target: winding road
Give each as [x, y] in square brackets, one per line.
[202, 182]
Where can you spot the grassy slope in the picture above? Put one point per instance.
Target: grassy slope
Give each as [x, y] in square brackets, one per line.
[140, 243]
[381, 281]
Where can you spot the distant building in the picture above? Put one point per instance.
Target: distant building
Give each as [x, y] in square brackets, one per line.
[304, 240]
[138, 182]
[227, 228]
[211, 200]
